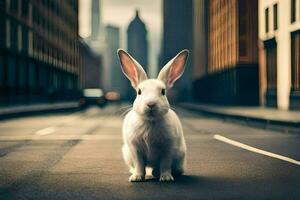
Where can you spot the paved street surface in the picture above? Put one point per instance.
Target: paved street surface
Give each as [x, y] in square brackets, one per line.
[78, 156]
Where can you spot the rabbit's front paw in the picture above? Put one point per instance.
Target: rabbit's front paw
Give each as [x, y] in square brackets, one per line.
[167, 177]
[136, 178]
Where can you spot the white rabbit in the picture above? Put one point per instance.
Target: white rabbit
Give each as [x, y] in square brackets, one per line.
[152, 132]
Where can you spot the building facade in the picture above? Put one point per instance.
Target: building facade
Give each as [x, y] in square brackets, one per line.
[232, 70]
[178, 35]
[279, 35]
[137, 42]
[38, 50]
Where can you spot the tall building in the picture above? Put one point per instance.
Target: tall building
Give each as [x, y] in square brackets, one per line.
[117, 81]
[178, 35]
[279, 35]
[38, 50]
[95, 20]
[137, 43]
[97, 40]
[232, 73]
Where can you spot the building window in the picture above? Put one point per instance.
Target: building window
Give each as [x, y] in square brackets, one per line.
[24, 39]
[2, 31]
[2, 71]
[267, 20]
[11, 76]
[14, 4]
[2, 3]
[293, 11]
[275, 18]
[271, 64]
[295, 50]
[25, 8]
[8, 33]
[14, 36]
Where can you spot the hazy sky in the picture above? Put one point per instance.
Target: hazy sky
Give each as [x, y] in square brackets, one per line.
[120, 13]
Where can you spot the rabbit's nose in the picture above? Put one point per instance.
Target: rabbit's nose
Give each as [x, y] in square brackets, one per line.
[151, 105]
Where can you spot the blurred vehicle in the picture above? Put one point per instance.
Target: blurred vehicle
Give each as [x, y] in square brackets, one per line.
[112, 96]
[92, 96]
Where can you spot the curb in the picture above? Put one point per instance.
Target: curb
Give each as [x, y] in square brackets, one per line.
[29, 110]
[271, 124]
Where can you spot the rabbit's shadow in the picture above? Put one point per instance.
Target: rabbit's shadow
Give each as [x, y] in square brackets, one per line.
[178, 180]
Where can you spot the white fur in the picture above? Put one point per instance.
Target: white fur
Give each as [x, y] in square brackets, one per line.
[153, 137]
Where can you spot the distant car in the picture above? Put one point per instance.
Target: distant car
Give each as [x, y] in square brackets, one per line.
[112, 96]
[92, 96]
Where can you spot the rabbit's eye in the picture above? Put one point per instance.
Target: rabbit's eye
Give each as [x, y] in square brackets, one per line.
[163, 91]
[139, 92]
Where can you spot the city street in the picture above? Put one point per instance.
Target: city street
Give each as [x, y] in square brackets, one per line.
[78, 156]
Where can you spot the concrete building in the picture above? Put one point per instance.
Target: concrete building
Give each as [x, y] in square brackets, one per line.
[178, 35]
[117, 80]
[38, 50]
[232, 73]
[279, 35]
[137, 43]
[90, 67]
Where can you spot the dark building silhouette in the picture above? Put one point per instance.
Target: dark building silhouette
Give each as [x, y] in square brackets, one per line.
[178, 35]
[137, 43]
[39, 58]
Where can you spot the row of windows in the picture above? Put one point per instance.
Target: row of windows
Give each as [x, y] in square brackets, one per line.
[47, 16]
[24, 73]
[66, 12]
[54, 21]
[222, 35]
[275, 18]
[21, 39]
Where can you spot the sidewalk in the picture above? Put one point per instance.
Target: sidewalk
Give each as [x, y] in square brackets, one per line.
[260, 116]
[18, 110]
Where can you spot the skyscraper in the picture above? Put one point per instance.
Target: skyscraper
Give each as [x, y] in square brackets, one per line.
[178, 35]
[137, 43]
[95, 25]
[117, 81]
[97, 40]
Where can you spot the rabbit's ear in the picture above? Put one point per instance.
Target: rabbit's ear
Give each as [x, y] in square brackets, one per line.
[131, 68]
[173, 69]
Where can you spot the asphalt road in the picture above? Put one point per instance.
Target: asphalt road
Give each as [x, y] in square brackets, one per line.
[78, 156]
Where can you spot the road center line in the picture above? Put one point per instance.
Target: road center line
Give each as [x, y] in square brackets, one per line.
[46, 131]
[256, 150]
